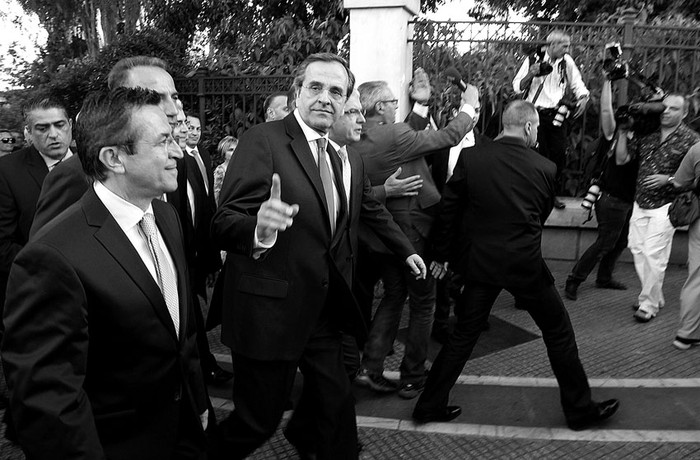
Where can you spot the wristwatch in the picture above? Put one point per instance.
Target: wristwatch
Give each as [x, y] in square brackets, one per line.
[670, 179]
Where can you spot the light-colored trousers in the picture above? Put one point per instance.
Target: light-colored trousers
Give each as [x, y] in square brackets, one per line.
[690, 294]
[650, 240]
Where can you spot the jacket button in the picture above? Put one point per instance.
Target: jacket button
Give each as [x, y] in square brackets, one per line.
[324, 283]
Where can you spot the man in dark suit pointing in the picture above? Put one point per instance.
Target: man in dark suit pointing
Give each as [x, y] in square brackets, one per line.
[285, 223]
[490, 229]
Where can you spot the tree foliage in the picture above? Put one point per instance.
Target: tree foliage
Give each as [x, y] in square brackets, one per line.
[591, 10]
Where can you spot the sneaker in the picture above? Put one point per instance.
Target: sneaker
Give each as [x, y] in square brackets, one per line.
[411, 390]
[612, 284]
[643, 316]
[684, 344]
[570, 290]
[375, 382]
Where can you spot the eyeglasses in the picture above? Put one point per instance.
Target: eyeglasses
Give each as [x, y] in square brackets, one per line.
[8, 140]
[354, 112]
[333, 93]
[165, 143]
[391, 101]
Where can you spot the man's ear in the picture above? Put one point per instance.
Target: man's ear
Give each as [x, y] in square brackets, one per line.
[111, 158]
[377, 108]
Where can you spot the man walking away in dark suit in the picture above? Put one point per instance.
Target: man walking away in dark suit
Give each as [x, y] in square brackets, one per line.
[490, 230]
[108, 278]
[285, 223]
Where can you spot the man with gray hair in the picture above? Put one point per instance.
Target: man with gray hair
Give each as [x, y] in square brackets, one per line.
[384, 146]
[549, 91]
[489, 231]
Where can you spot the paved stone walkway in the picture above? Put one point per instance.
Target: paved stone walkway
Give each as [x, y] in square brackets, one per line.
[510, 399]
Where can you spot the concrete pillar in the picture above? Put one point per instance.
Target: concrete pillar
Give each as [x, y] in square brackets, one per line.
[379, 47]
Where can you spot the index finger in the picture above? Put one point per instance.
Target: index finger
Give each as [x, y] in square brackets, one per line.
[275, 191]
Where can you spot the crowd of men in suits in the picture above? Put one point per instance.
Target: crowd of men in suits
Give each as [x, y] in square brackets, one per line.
[106, 255]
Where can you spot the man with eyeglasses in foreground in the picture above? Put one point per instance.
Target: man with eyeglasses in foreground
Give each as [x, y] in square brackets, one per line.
[283, 218]
[99, 348]
[384, 146]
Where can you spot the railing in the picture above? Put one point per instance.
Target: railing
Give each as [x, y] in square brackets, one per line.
[227, 105]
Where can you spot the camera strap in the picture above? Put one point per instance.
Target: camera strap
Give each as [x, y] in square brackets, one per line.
[539, 90]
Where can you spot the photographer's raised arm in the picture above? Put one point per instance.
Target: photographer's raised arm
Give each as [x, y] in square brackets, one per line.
[524, 77]
[607, 115]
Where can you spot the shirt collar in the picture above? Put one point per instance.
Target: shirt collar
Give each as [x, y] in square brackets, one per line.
[126, 214]
[310, 134]
[50, 162]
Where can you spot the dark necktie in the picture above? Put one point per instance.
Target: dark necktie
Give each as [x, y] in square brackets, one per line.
[327, 181]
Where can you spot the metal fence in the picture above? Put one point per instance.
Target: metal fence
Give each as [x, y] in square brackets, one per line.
[490, 53]
[227, 105]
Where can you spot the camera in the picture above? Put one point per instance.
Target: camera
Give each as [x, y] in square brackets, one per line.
[615, 67]
[537, 57]
[591, 197]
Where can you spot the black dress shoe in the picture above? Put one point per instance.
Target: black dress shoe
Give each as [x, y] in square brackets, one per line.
[558, 204]
[217, 376]
[445, 415]
[603, 410]
[571, 290]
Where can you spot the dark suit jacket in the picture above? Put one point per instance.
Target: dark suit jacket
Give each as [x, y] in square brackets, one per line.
[365, 208]
[272, 304]
[90, 351]
[493, 209]
[205, 258]
[62, 187]
[385, 147]
[21, 175]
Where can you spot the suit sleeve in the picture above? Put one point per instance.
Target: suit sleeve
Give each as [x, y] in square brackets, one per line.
[246, 186]
[44, 353]
[414, 144]
[447, 223]
[9, 247]
[376, 216]
[62, 187]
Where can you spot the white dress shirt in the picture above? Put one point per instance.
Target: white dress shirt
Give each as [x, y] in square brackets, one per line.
[51, 162]
[128, 217]
[553, 89]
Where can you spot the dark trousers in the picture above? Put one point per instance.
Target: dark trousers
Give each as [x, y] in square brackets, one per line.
[443, 303]
[553, 142]
[547, 310]
[398, 283]
[613, 215]
[324, 418]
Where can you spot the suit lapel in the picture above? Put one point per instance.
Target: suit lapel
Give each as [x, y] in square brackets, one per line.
[113, 239]
[300, 147]
[340, 188]
[36, 166]
[357, 183]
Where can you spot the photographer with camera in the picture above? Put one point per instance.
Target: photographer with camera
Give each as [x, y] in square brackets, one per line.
[614, 178]
[550, 80]
[651, 232]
